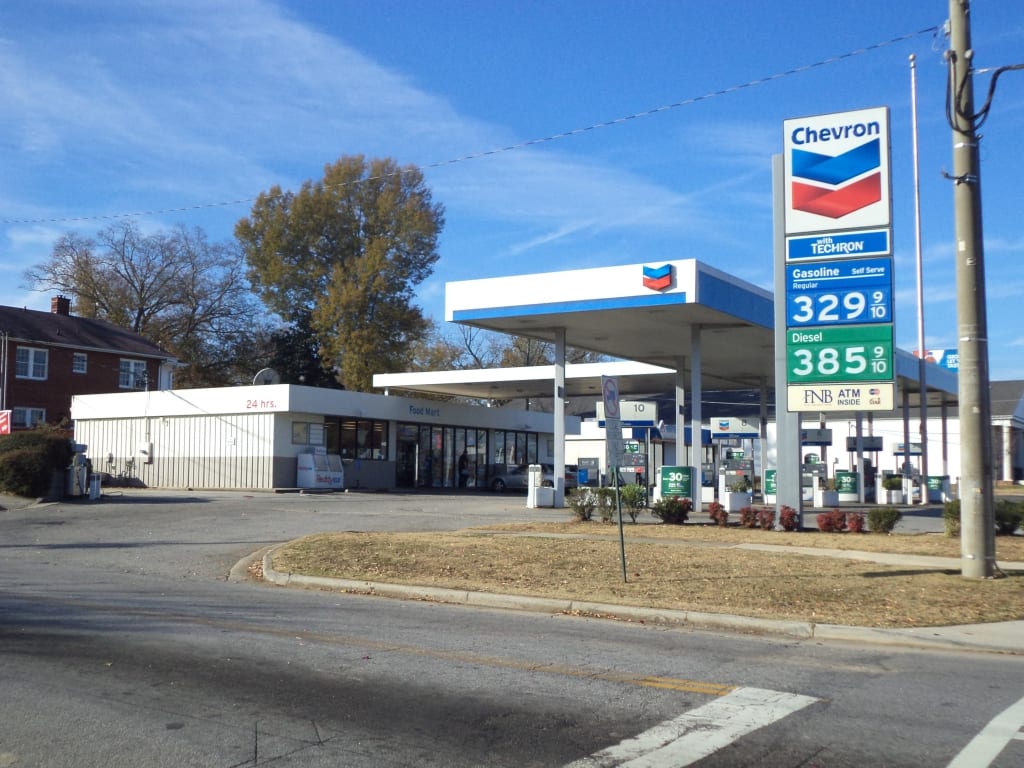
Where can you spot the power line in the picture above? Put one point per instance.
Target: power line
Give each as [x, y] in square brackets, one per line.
[520, 145]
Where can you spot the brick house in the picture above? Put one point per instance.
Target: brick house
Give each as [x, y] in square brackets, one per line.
[47, 357]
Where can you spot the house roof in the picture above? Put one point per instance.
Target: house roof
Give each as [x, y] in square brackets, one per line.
[54, 329]
[1007, 398]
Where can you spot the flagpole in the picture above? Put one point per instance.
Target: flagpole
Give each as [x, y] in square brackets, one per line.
[921, 364]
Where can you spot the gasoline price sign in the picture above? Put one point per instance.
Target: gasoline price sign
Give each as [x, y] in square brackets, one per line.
[847, 293]
[840, 353]
[840, 307]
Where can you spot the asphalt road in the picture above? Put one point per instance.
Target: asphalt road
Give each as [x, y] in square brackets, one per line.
[123, 643]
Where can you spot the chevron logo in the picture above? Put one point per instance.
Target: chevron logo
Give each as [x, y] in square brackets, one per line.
[842, 196]
[658, 278]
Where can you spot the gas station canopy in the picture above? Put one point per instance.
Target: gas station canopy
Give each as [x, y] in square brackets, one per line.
[646, 314]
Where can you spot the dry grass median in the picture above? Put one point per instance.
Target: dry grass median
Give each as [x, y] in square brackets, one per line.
[689, 567]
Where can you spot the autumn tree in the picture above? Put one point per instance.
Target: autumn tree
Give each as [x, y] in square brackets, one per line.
[347, 252]
[175, 288]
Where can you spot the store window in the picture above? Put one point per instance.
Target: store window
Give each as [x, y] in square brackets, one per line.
[515, 448]
[354, 438]
[307, 433]
[441, 457]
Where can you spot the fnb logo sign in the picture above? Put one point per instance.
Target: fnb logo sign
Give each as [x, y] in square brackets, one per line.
[658, 278]
[837, 171]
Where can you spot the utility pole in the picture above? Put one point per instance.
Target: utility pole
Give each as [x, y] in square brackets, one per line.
[977, 516]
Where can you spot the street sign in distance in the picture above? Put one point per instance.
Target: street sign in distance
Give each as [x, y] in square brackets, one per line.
[867, 443]
[840, 354]
[815, 437]
[610, 393]
[613, 442]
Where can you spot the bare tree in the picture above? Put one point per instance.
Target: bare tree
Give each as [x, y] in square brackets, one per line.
[175, 288]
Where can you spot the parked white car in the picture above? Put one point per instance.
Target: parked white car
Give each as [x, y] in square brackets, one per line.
[516, 477]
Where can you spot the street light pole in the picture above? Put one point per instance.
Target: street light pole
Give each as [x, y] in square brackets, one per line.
[977, 517]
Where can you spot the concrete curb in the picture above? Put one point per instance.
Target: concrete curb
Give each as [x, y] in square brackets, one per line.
[796, 629]
[999, 638]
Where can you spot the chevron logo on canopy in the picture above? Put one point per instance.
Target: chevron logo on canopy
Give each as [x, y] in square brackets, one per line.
[658, 278]
[844, 195]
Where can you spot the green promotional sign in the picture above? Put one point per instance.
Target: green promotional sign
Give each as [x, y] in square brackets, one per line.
[839, 354]
[936, 482]
[770, 488]
[676, 481]
[847, 482]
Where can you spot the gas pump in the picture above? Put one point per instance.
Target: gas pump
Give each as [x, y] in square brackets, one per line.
[734, 471]
[78, 471]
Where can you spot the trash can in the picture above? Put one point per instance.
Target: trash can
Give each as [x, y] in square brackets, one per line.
[94, 488]
[544, 497]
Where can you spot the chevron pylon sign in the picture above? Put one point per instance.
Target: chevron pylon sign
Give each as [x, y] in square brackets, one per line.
[837, 171]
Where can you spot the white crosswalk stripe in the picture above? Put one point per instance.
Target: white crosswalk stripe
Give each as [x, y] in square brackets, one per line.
[700, 732]
[984, 748]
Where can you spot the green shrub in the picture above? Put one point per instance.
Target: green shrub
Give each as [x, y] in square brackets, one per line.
[28, 460]
[672, 510]
[605, 504]
[741, 485]
[1009, 516]
[883, 519]
[582, 501]
[22, 472]
[892, 483]
[633, 498]
[951, 518]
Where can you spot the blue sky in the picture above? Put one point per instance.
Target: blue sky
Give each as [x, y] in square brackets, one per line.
[185, 110]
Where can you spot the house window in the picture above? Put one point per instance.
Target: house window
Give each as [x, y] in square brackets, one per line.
[80, 363]
[132, 375]
[31, 363]
[27, 417]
